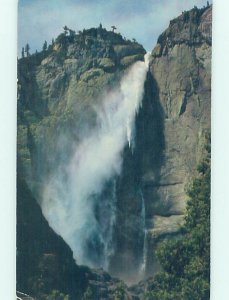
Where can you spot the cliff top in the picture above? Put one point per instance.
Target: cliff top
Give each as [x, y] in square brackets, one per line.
[91, 58]
[191, 27]
[89, 43]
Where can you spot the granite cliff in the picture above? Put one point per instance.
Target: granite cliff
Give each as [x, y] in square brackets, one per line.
[58, 90]
[181, 70]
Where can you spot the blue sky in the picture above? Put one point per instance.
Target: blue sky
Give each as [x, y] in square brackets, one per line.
[144, 20]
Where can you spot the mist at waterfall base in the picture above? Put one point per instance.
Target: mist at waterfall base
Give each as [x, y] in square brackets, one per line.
[79, 199]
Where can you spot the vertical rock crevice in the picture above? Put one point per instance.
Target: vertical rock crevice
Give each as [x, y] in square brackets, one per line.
[140, 168]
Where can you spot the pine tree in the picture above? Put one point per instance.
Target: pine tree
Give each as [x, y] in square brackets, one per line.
[27, 48]
[71, 32]
[113, 28]
[88, 295]
[23, 52]
[65, 30]
[45, 46]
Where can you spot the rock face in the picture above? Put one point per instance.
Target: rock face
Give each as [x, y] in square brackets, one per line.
[181, 68]
[58, 94]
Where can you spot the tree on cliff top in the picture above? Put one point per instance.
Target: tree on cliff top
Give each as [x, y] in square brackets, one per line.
[44, 48]
[113, 28]
[23, 52]
[27, 48]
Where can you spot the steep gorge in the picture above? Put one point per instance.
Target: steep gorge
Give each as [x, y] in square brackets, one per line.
[59, 98]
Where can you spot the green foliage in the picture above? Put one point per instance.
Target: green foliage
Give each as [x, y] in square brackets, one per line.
[62, 39]
[45, 46]
[88, 295]
[186, 260]
[57, 295]
[23, 52]
[27, 48]
[186, 16]
[196, 14]
[120, 292]
[61, 54]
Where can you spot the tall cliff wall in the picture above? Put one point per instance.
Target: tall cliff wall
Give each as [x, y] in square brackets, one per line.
[181, 67]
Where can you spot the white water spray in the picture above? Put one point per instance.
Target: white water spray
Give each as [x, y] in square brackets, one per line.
[145, 239]
[75, 201]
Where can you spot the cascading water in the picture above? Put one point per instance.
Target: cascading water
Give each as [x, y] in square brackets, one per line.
[145, 236]
[107, 221]
[79, 199]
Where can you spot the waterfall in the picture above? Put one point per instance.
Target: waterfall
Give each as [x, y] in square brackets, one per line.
[79, 199]
[109, 250]
[145, 239]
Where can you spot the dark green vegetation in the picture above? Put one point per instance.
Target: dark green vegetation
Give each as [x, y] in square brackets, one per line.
[86, 40]
[186, 259]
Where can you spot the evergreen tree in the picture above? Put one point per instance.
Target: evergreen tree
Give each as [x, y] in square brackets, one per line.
[71, 32]
[88, 295]
[23, 52]
[113, 28]
[120, 292]
[27, 48]
[45, 46]
[65, 30]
